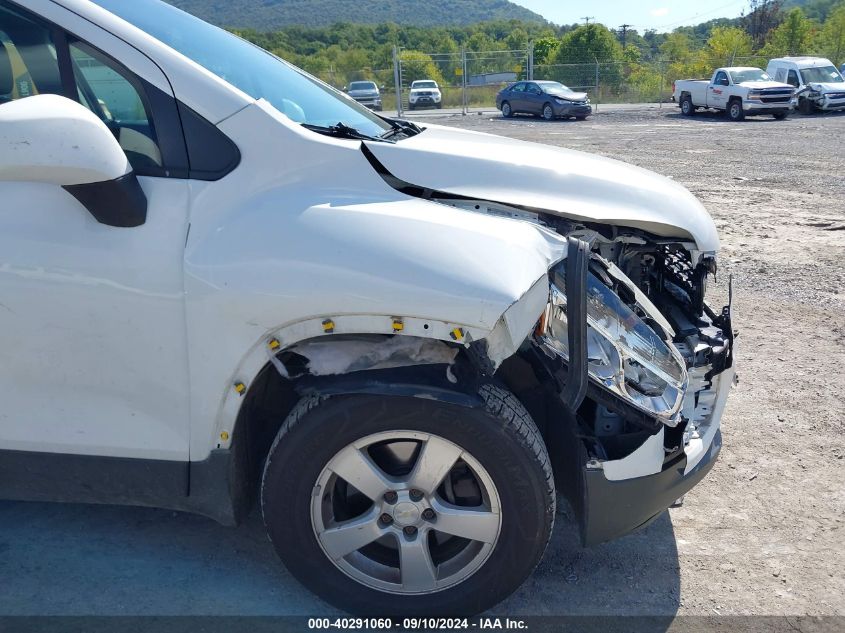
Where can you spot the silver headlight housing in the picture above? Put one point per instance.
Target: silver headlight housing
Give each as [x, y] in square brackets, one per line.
[625, 356]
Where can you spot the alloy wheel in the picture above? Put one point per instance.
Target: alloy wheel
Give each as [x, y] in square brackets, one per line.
[406, 512]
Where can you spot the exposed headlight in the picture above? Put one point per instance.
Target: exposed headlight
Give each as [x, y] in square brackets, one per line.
[625, 356]
[559, 100]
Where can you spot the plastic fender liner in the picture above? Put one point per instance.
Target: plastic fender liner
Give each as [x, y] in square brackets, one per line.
[420, 381]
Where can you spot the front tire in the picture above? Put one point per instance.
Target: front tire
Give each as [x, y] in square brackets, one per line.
[548, 112]
[780, 116]
[407, 506]
[735, 111]
[805, 106]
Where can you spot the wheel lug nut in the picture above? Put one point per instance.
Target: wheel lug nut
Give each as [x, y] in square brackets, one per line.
[415, 495]
[428, 514]
[385, 519]
[410, 530]
[390, 496]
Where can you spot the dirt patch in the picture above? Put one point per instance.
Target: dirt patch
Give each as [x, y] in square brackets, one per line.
[764, 533]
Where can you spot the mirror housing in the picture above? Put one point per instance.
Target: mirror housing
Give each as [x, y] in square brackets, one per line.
[53, 140]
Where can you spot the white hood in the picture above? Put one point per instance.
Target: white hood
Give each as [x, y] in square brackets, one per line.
[543, 178]
[828, 87]
[763, 85]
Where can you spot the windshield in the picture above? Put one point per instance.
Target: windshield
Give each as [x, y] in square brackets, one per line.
[553, 87]
[424, 84]
[362, 85]
[256, 72]
[749, 74]
[821, 75]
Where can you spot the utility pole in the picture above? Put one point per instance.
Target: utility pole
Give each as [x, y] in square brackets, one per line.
[397, 80]
[588, 18]
[624, 28]
[530, 74]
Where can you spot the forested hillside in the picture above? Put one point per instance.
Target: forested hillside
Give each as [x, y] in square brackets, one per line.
[275, 14]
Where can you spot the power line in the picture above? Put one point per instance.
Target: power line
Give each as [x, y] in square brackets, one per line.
[698, 15]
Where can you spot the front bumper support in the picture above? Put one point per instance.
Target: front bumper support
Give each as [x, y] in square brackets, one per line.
[610, 509]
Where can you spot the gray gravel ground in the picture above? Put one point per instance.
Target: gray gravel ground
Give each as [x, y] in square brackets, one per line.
[763, 534]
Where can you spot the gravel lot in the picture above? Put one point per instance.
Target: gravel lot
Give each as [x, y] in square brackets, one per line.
[763, 534]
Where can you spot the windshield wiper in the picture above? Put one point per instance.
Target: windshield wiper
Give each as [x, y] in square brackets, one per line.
[341, 130]
[401, 127]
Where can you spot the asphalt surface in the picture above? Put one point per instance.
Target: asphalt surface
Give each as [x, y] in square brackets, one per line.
[763, 534]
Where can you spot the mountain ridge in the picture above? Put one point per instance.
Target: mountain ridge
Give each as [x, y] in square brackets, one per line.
[269, 15]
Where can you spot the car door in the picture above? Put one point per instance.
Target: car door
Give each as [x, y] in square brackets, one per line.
[534, 98]
[718, 91]
[514, 95]
[92, 320]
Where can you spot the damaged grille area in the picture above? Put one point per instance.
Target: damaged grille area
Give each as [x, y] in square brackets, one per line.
[680, 278]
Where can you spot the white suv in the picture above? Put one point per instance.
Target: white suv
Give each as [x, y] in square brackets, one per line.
[223, 281]
[425, 92]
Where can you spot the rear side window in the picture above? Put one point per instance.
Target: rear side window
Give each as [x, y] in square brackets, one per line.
[28, 61]
[518, 88]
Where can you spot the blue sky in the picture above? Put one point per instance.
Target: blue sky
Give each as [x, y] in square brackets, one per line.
[663, 15]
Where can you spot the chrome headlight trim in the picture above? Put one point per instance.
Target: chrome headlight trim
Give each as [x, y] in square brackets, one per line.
[625, 356]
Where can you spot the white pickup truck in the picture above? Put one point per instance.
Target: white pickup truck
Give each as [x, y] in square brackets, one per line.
[738, 91]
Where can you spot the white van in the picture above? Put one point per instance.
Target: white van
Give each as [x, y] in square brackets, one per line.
[820, 85]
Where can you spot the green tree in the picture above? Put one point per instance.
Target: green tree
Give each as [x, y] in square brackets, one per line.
[833, 35]
[794, 36]
[589, 43]
[545, 49]
[419, 65]
[582, 49]
[680, 57]
[724, 47]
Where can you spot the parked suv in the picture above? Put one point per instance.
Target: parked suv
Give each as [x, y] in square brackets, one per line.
[425, 92]
[366, 93]
[223, 281]
[819, 85]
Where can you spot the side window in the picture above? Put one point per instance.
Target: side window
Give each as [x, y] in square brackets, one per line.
[518, 88]
[28, 62]
[780, 75]
[117, 98]
[533, 89]
[792, 79]
[722, 79]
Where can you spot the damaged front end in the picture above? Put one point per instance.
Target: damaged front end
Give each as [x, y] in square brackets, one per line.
[651, 365]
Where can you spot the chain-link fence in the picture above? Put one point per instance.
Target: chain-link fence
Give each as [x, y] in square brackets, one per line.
[466, 79]
[470, 80]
